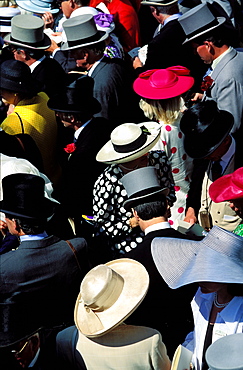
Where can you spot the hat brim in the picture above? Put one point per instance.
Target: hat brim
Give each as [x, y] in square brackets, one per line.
[158, 3]
[103, 36]
[5, 28]
[197, 145]
[108, 155]
[181, 261]
[223, 189]
[27, 5]
[45, 44]
[143, 88]
[133, 202]
[133, 292]
[221, 20]
[60, 105]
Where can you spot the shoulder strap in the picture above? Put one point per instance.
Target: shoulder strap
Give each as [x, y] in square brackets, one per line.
[21, 122]
[74, 252]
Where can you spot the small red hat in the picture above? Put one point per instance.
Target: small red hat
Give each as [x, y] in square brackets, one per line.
[227, 187]
[163, 83]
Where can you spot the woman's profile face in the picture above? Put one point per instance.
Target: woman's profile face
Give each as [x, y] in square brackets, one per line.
[210, 287]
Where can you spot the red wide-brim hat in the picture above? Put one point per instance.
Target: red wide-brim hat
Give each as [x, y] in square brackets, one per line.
[163, 83]
[227, 187]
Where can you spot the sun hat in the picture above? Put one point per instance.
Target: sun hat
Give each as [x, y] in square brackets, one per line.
[28, 31]
[82, 31]
[218, 257]
[16, 76]
[198, 21]
[76, 98]
[23, 196]
[159, 2]
[227, 187]
[6, 14]
[226, 353]
[129, 141]
[142, 186]
[205, 127]
[109, 293]
[17, 323]
[163, 83]
[39, 6]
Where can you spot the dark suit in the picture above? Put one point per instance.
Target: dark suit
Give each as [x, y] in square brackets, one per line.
[163, 308]
[43, 279]
[50, 76]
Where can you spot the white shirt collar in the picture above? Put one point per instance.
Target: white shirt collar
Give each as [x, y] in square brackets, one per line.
[91, 70]
[33, 237]
[171, 18]
[158, 226]
[78, 132]
[228, 155]
[36, 63]
[217, 60]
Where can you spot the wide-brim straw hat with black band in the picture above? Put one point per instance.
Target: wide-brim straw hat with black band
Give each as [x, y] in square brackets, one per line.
[142, 186]
[28, 31]
[129, 141]
[109, 293]
[158, 2]
[81, 31]
[217, 258]
[39, 6]
[198, 21]
[6, 14]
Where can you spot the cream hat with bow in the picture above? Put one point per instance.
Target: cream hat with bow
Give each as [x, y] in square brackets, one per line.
[109, 293]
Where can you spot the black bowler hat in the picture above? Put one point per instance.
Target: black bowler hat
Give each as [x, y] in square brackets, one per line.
[23, 196]
[16, 76]
[205, 127]
[77, 97]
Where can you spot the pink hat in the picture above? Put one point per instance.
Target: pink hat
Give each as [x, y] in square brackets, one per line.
[163, 83]
[227, 187]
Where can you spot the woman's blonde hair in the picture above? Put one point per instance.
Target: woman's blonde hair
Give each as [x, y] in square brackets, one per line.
[166, 110]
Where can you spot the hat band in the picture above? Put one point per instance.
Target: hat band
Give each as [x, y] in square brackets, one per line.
[35, 44]
[6, 22]
[86, 40]
[204, 28]
[136, 144]
[144, 192]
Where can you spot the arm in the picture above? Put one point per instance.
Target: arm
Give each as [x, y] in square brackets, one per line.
[160, 358]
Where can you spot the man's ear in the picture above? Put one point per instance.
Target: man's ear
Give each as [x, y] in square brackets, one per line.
[72, 4]
[135, 214]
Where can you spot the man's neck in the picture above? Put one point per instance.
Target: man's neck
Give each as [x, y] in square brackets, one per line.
[146, 223]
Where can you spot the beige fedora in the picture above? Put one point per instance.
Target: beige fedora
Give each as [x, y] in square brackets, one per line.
[129, 141]
[108, 295]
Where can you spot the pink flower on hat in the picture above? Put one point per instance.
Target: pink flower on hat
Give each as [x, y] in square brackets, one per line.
[70, 148]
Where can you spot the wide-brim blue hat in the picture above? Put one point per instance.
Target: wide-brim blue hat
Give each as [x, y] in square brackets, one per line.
[216, 258]
[38, 6]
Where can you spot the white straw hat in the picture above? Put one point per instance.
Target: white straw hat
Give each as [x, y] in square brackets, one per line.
[129, 141]
[218, 257]
[108, 295]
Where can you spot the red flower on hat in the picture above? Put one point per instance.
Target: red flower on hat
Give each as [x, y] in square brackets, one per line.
[70, 148]
[207, 82]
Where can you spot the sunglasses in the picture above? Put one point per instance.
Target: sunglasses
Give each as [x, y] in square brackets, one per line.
[16, 353]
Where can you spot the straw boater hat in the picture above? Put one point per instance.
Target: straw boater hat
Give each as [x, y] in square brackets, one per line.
[227, 187]
[108, 295]
[205, 127]
[163, 83]
[198, 21]
[6, 14]
[226, 353]
[39, 6]
[181, 262]
[129, 141]
[142, 186]
[28, 31]
[81, 31]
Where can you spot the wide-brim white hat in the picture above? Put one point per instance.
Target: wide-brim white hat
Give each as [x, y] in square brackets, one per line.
[218, 257]
[38, 6]
[226, 353]
[108, 295]
[6, 14]
[129, 141]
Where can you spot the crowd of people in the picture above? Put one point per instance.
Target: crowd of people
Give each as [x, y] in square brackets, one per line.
[121, 184]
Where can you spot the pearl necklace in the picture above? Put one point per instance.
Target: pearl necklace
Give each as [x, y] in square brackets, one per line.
[217, 304]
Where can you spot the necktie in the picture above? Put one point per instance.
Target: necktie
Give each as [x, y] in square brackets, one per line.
[216, 170]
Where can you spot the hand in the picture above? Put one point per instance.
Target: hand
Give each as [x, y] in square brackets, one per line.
[197, 96]
[133, 221]
[137, 63]
[10, 109]
[3, 227]
[190, 216]
[48, 19]
[52, 47]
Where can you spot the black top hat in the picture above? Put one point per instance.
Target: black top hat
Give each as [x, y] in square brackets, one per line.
[16, 76]
[205, 127]
[23, 196]
[142, 186]
[77, 97]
